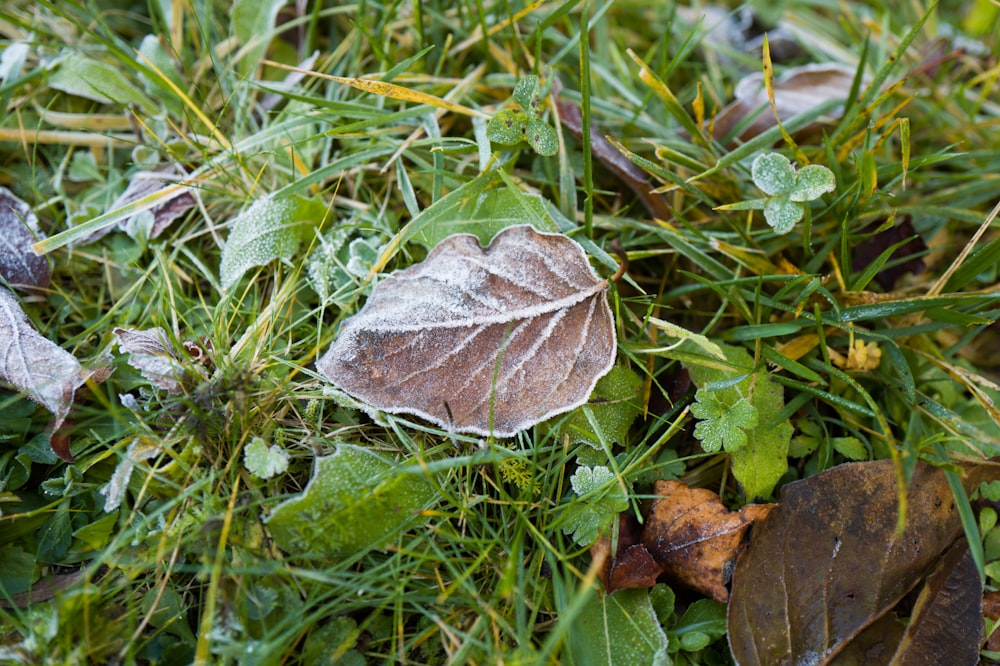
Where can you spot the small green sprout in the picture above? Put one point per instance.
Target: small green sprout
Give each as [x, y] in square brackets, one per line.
[523, 122]
[786, 189]
[601, 499]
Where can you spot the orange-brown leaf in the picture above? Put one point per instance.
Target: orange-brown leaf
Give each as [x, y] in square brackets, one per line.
[695, 537]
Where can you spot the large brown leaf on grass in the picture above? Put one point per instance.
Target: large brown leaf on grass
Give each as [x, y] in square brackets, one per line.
[695, 538]
[480, 340]
[19, 265]
[797, 91]
[36, 366]
[825, 570]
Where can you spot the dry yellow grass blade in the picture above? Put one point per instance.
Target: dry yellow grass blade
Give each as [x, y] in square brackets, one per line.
[385, 89]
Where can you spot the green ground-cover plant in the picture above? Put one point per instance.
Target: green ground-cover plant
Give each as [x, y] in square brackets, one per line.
[176, 535]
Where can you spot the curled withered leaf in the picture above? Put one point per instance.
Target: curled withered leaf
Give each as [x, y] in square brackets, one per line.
[480, 340]
[19, 265]
[159, 217]
[34, 365]
[797, 91]
[155, 357]
[631, 565]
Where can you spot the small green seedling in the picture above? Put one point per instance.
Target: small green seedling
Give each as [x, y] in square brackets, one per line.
[523, 121]
[786, 189]
[601, 500]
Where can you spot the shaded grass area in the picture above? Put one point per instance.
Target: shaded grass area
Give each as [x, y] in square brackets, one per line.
[185, 568]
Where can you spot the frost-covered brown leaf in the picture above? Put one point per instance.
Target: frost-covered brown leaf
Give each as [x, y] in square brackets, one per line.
[34, 365]
[153, 354]
[799, 90]
[19, 265]
[481, 340]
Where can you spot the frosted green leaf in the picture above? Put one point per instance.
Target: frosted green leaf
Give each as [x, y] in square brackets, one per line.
[807, 441]
[356, 500]
[507, 127]
[587, 480]
[618, 629]
[773, 173]
[269, 229]
[511, 126]
[602, 501]
[812, 182]
[722, 425]
[332, 642]
[782, 214]
[527, 94]
[338, 266]
[86, 77]
[541, 137]
[613, 406]
[703, 623]
[153, 51]
[264, 461]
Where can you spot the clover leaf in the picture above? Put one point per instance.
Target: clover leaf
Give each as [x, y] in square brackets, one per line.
[722, 425]
[786, 189]
[523, 122]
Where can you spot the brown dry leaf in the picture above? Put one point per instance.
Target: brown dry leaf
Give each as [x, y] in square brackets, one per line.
[485, 341]
[991, 609]
[635, 178]
[695, 537]
[155, 357]
[946, 625]
[632, 565]
[143, 184]
[827, 564]
[19, 265]
[39, 368]
[798, 90]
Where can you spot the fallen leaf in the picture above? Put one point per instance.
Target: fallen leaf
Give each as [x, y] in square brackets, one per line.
[485, 341]
[827, 563]
[19, 265]
[946, 625]
[153, 354]
[631, 565]
[162, 215]
[39, 368]
[797, 91]
[695, 538]
[634, 178]
[991, 609]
